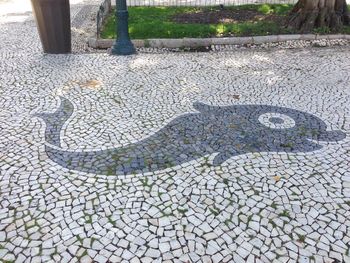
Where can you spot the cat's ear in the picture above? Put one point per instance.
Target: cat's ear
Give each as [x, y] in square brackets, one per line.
[202, 107]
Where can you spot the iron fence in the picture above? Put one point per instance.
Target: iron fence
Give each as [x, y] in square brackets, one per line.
[204, 2]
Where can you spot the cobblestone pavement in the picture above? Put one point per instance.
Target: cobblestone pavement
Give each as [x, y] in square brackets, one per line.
[173, 157]
[83, 16]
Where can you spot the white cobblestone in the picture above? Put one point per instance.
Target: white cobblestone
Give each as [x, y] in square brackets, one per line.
[209, 205]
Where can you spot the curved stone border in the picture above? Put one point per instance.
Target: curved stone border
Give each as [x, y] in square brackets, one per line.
[204, 42]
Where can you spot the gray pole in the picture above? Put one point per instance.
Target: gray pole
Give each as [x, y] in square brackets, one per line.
[123, 44]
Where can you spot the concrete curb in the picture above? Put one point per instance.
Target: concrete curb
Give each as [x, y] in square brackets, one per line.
[205, 42]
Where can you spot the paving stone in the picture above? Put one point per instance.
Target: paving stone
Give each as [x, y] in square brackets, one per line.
[152, 253]
[235, 155]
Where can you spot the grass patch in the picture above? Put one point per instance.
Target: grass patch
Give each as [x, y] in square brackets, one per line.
[202, 22]
[180, 22]
[301, 238]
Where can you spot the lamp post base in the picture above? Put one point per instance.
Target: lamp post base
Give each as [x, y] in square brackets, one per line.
[123, 47]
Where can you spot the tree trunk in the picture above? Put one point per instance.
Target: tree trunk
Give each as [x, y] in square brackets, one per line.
[309, 14]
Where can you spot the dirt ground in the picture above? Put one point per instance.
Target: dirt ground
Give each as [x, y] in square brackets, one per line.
[225, 16]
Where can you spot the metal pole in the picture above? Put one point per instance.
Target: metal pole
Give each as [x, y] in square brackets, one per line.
[123, 44]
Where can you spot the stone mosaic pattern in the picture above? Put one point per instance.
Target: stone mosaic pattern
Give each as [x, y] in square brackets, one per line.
[258, 206]
[225, 131]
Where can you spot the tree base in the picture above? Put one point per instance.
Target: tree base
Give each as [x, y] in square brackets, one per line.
[310, 14]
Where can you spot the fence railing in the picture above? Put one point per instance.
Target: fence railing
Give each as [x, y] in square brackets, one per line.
[204, 2]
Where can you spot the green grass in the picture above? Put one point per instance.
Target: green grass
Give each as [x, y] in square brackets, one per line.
[157, 22]
[272, 9]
